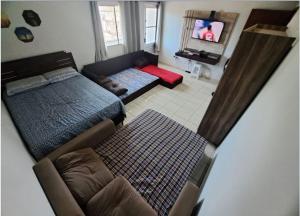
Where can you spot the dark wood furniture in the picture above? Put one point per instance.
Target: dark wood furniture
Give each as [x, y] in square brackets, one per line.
[269, 17]
[115, 65]
[35, 65]
[259, 51]
[210, 58]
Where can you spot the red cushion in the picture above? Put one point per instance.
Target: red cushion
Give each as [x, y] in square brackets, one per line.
[163, 74]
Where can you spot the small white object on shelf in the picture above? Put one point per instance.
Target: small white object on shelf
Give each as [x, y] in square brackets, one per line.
[196, 71]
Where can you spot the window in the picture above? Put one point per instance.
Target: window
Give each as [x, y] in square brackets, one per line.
[111, 25]
[150, 24]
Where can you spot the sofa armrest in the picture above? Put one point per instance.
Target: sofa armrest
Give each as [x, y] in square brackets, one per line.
[186, 200]
[57, 192]
[190, 193]
[89, 138]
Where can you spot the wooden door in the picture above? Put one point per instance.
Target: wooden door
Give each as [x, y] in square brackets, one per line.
[255, 58]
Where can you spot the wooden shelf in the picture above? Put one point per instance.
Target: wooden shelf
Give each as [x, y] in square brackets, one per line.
[268, 29]
[199, 58]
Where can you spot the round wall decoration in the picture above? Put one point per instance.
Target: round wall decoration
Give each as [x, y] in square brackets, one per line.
[31, 17]
[24, 34]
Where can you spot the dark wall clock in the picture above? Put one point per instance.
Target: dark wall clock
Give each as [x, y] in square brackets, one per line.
[31, 17]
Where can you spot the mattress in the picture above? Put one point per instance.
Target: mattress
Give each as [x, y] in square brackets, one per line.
[156, 155]
[133, 80]
[50, 116]
[167, 76]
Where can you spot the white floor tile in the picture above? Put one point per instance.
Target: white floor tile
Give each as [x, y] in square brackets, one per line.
[186, 103]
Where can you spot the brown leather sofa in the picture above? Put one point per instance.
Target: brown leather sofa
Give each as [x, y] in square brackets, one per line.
[50, 172]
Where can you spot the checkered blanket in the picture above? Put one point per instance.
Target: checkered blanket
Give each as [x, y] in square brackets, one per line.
[156, 155]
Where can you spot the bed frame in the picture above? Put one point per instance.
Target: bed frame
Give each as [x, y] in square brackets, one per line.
[36, 65]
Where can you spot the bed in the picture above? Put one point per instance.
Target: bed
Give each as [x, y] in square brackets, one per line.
[49, 116]
[121, 70]
[134, 80]
[156, 155]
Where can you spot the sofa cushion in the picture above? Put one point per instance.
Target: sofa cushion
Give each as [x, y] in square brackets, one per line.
[103, 80]
[115, 88]
[84, 173]
[111, 86]
[165, 75]
[118, 198]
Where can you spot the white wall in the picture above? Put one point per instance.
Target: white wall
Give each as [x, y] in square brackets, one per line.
[173, 21]
[256, 171]
[21, 193]
[293, 27]
[65, 26]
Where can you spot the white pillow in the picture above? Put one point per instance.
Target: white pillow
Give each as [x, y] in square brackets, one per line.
[60, 74]
[22, 85]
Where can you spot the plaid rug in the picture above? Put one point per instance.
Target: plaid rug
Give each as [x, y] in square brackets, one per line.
[156, 155]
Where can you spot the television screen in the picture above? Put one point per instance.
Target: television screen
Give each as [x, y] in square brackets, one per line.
[208, 30]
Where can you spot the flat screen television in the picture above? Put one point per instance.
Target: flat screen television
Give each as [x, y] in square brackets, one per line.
[208, 30]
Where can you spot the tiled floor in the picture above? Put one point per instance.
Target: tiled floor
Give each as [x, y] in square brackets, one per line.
[186, 103]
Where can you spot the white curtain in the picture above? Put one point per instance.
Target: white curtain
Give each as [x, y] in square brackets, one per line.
[159, 26]
[99, 38]
[130, 18]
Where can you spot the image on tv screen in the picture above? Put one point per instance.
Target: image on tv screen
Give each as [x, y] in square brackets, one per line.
[208, 30]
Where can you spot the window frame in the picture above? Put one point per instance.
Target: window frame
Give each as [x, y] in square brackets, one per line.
[150, 5]
[120, 39]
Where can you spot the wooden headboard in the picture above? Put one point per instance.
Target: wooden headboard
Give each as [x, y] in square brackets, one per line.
[22, 68]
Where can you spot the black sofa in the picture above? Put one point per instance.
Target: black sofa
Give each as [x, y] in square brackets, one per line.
[115, 65]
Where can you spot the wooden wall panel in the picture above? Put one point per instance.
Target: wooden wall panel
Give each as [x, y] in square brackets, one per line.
[190, 17]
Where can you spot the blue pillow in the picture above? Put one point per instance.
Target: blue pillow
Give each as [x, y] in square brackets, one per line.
[60, 74]
[22, 85]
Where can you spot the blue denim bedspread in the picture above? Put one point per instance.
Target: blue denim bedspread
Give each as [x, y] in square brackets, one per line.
[133, 80]
[49, 116]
